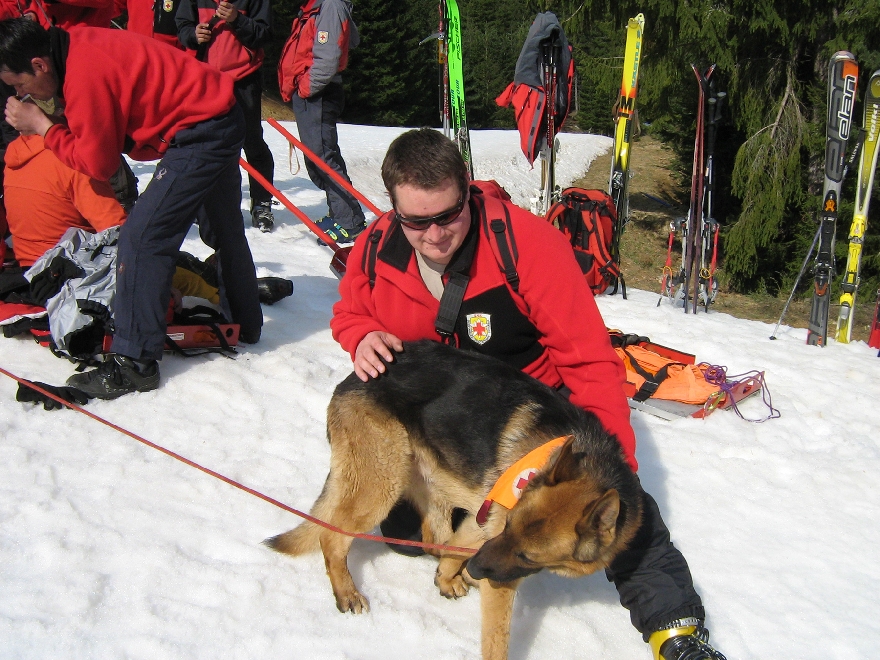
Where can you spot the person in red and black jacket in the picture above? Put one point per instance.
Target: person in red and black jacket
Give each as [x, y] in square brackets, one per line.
[310, 76]
[547, 325]
[126, 93]
[230, 37]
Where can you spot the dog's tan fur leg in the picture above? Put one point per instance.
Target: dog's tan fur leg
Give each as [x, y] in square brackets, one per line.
[370, 465]
[448, 576]
[496, 608]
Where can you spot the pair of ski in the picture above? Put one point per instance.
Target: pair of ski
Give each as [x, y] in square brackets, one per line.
[842, 85]
[453, 113]
[699, 232]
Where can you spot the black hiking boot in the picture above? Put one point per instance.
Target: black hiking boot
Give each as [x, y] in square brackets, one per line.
[116, 376]
[262, 218]
[684, 639]
[273, 289]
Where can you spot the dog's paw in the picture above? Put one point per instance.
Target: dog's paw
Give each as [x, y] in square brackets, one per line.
[455, 587]
[353, 602]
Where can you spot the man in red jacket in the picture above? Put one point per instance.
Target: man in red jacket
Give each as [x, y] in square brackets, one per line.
[127, 93]
[542, 320]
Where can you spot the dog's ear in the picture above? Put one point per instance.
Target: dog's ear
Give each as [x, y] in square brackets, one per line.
[597, 529]
[566, 467]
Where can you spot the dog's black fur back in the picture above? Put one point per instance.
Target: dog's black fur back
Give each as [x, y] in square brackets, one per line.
[457, 403]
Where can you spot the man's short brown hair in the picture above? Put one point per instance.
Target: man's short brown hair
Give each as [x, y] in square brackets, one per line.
[423, 158]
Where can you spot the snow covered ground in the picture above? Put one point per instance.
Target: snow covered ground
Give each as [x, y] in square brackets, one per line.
[110, 549]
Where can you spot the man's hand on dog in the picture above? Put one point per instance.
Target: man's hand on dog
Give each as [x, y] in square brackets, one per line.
[375, 347]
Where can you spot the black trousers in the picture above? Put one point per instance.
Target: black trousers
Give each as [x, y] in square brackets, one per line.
[652, 576]
[248, 93]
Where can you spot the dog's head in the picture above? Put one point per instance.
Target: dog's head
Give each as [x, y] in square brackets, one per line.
[566, 521]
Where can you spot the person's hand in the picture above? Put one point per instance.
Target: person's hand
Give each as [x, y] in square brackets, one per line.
[375, 347]
[203, 33]
[27, 118]
[227, 11]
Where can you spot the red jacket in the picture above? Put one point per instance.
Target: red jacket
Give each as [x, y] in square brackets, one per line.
[44, 198]
[552, 295]
[317, 49]
[124, 92]
[235, 48]
[142, 19]
[67, 14]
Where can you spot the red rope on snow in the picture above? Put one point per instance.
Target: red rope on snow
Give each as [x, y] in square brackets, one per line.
[232, 482]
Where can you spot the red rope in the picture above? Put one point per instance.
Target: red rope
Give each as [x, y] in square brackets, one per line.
[232, 482]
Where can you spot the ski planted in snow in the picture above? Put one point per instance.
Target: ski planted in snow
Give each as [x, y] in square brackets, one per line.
[618, 185]
[692, 236]
[549, 192]
[458, 114]
[867, 166]
[843, 74]
[706, 284]
[874, 335]
[442, 66]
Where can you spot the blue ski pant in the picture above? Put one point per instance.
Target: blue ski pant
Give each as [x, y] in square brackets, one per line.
[316, 119]
[249, 93]
[198, 176]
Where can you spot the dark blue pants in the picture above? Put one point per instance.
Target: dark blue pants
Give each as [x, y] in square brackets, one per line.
[316, 119]
[198, 176]
[248, 93]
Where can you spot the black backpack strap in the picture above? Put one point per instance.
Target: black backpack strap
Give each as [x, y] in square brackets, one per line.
[652, 381]
[458, 270]
[368, 264]
[502, 232]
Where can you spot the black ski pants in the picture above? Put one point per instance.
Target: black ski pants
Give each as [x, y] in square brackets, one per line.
[316, 119]
[249, 93]
[652, 576]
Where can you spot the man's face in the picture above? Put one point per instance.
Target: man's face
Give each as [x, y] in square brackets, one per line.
[41, 84]
[435, 243]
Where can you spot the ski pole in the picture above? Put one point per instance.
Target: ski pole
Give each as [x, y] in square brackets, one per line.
[333, 174]
[797, 281]
[340, 254]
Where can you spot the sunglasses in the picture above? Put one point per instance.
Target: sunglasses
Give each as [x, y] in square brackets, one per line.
[441, 219]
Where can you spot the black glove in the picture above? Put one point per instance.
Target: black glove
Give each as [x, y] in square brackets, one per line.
[48, 282]
[27, 394]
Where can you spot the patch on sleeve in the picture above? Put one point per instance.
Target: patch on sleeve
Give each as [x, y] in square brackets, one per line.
[323, 36]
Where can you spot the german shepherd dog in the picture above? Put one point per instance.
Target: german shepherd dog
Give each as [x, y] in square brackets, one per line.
[438, 428]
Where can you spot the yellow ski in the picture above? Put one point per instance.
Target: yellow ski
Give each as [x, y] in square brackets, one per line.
[625, 119]
[867, 165]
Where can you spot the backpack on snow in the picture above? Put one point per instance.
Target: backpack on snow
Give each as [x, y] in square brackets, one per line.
[587, 218]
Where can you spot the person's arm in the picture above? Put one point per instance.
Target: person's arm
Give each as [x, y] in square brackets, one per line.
[253, 29]
[187, 19]
[563, 309]
[354, 324]
[330, 33]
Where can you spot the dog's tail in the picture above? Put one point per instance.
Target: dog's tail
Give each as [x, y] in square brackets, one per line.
[298, 541]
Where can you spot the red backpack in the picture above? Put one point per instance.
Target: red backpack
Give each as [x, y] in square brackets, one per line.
[587, 218]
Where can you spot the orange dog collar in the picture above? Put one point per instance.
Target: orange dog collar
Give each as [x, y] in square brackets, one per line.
[509, 487]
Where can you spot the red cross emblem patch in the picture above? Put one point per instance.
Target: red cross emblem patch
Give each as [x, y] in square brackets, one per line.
[323, 36]
[479, 327]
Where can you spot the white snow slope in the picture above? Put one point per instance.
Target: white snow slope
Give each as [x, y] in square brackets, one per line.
[111, 549]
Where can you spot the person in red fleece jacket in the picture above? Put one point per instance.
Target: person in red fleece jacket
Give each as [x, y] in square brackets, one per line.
[125, 93]
[548, 326]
